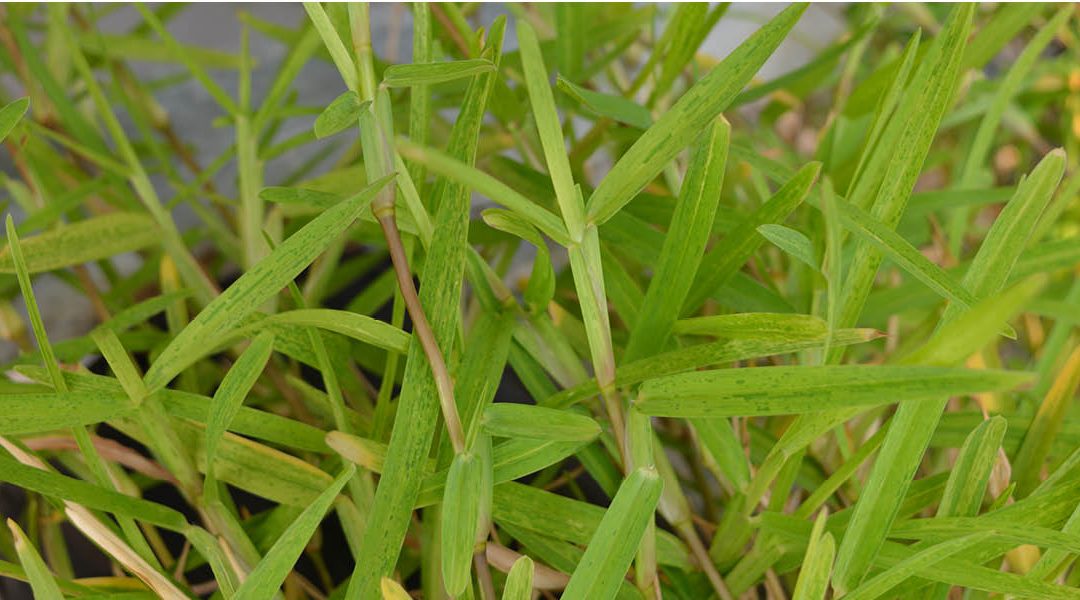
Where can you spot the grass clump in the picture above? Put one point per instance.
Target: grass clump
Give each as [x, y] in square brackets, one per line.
[562, 307]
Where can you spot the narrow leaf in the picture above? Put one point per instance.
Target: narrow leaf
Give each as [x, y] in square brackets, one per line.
[612, 547]
[266, 578]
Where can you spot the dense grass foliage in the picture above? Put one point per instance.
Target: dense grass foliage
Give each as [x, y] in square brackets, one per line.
[563, 307]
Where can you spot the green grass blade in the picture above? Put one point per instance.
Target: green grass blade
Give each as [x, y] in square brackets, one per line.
[261, 282]
[392, 590]
[11, 114]
[966, 487]
[460, 513]
[80, 492]
[989, 271]
[537, 422]
[361, 328]
[678, 127]
[440, 294]
[267, 576]
[698, 356]
[445, 165]
[519, 581]
[893, 576]
[41, 579]
[1045, 426]
[340, 114]
[88, 240]
[916, 121]
[690, 228]
[34, 413]
[425, 74]
[613, 545]
[230, 395]
[813, 582]
[892, 245]
[795, 243]
[754, 326]
[611, 106]
[793, 390]
[731, 253]
[551, 136]
[338, 52]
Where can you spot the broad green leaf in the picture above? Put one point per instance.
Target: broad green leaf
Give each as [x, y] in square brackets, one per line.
[680, 125]
[339, 115]
[730, 254]
[613, 545]
[891, 577]
[611, 106]
[266, 578]
[34, 413]
[519, 581]
[813, 582]
[794, 390]
[85, 241]
[424, 74]
[258, 284]
[754, 326]
[230, 395]
[41, 579]
[537, 422]
[793, 242]
[683, 246]
[11, 114]
[460, 513]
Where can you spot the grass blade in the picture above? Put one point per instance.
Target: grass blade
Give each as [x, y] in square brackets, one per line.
[11, 114]
[537, 422]
[230, 395]
[613, 545]
[683, 246]
[266, 578]
[813, 581]
[731, 253]
[86, 241]
[519, 581]
[793, 242]
[793, 390]
[893, 576]
[424, 74]
[41, 579]
[340, 114]
[258, 284]
[699, 106]
[460, 515]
